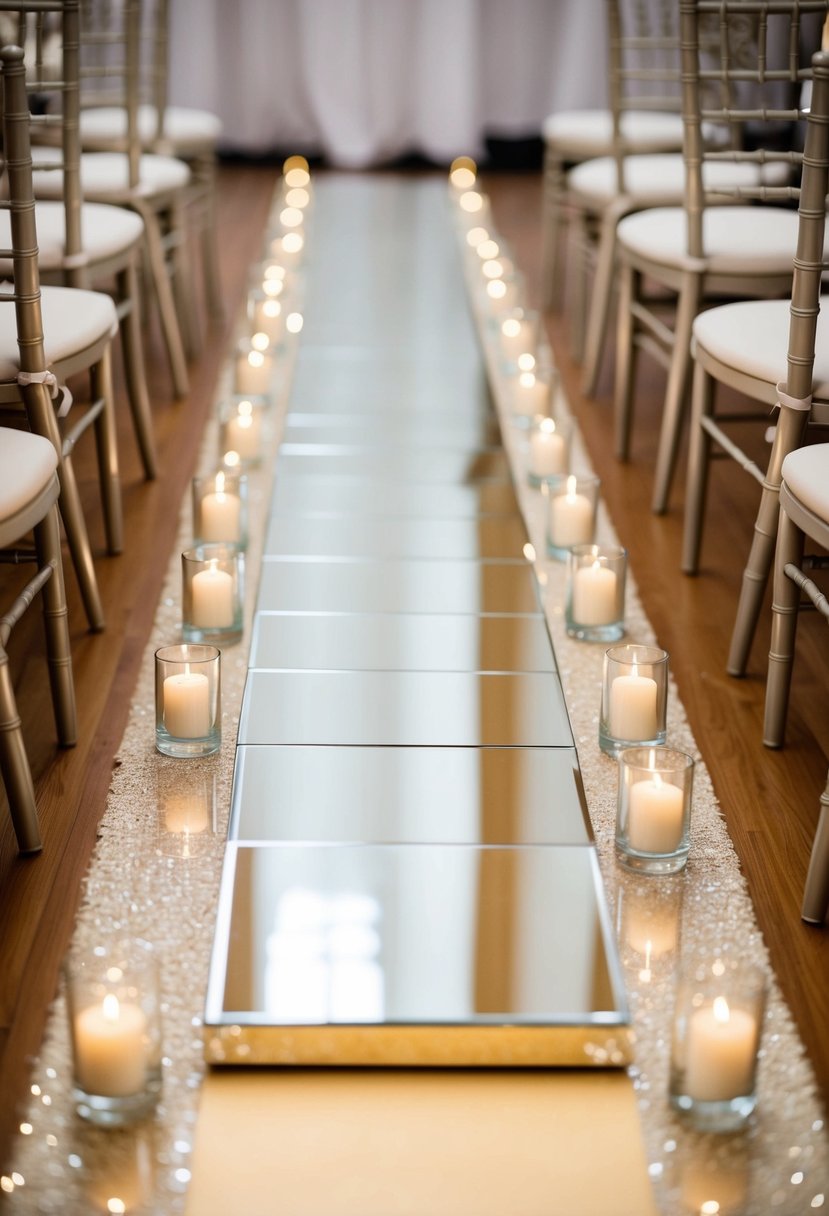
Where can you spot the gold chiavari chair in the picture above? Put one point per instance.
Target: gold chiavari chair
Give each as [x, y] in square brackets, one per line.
[722, 243]
[29, 485]
[81, 244]
[79, 327]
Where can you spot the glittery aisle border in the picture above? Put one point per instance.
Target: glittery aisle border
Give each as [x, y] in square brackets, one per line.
[145, 880]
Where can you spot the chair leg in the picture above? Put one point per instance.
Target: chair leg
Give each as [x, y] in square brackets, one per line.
[784, 610]
[136, 381]
[578, 269]
[599, 311]
[183, 290]
[816, 893]
[204, 171]
[14, 766]
[699, 460]
[629, 287]
[676, 393]
[77, 538]
[166, 304]
[56, 624]
[100, 375]
[552, 226]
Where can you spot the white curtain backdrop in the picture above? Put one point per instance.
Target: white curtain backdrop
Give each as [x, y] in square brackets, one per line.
[364, 81]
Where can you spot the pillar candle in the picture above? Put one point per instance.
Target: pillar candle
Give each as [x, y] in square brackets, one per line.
[720, 1052]
[110, 1048]
[267, 319]
[531, 395]
[655, 816]
[571, 518]
[212, 606]
[632, 708]
[253, 373]
[186, 702]
[243, 432]
[221, 515]
[594, 595]
[548, 451]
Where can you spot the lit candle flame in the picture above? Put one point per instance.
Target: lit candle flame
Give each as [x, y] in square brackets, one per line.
[496, 289]
[220, 483]
[571, 491]
[260, 342]
[293, 322]
[111, 1008]
[526, 361]
[722, 1013]
[511, 328]
[548, 426]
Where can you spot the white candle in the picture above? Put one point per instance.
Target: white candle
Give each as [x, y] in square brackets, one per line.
[111, 1048]
[253, 373]
[571, 518]
[655, 815]
[594, 595]
[212, 590]
[720, 1050]
[531, 395]
[548, 451]
[632, 708]
[186, 705]
[221, 515]
[243, 432]
[268, 319]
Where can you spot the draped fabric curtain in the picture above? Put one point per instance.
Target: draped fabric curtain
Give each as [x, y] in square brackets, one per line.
[364, 81]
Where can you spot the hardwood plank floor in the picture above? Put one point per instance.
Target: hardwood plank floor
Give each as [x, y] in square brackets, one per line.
[769, 799]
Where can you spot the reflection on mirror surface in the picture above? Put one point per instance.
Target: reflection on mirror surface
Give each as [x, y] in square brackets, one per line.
[364, 585]
[408, 708]
[412, 430]
[315, 495]
[471, 795]
[443, 465]
[490, 537]
[400, 642]
[385, 934]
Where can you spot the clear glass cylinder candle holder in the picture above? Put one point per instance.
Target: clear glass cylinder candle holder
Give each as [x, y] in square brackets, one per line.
[114, 1008]
[653, 810]
[272, 279]
[220, 508]
[242, 430]
[518, 332]
[718, 1022]
[212, 594]
[594, 607]
[530, 394]
[634, 698]
[573, 500]
[266, 315]
[503, 293]
[253, 369]
[548, 448]
[188, 695]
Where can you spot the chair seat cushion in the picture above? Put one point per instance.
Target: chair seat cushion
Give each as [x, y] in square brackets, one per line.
[737, 240]
[105, 175]
[73, 321]
[579, 134]
[660, 178]
[184, 128]
[106, 232]
[27, 465]
[806, 473]
[752, 336]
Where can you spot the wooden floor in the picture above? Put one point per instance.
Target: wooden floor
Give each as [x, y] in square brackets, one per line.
[770, 799]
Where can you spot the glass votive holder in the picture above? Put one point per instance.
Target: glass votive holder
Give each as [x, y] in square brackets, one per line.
[571, 511]
[220, 514]
[503, 293]
[653, 810]
[266, 315]
[253, 370]
[518, 333]
[548, 452]
[114, 1007]
[212, 594]
[594, 608]
[718, 1023]
[188, 700]
[241, 429]
[634, 698]
[530, 394]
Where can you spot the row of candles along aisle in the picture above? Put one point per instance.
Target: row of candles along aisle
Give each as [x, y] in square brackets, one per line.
[720, 1002]
[114, 1000]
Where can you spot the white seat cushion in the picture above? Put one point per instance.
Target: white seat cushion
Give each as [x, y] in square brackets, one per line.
[105, 175]
[752, 336]
[106, 231]
[806, 473]
[73, 320]
[183, 127]
[661, 177]
[737, 240]
[27, 465]
[579, 134]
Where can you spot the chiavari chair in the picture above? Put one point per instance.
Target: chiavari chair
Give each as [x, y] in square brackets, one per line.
[29, 484]
[723, 242]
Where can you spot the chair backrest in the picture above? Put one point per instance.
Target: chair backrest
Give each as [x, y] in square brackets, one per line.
[744, 67]
[18, 196]
[110, 71]
[643, 67]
